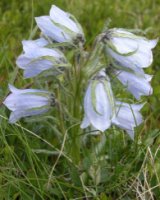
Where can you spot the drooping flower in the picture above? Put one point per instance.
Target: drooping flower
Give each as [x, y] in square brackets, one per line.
[37, 58]
[98, 103]
[137, 84]
[27, 102]
[127, 117]
[102, 110]
[128, 50]
[60, 26]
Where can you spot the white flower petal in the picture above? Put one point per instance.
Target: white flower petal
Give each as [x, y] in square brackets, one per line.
[101, 117]
[153, 43]
[29, 44]
[127, 117]
[16, 115]
[131, 133]
[141, 59]
[137, 84]
[32, 50]
[24, 91]
[145, 43]
[139, 49]
[60, 26]
[63, 18]
[85, 123]
[126, 34]
[24, 62]
[49, 29]
[41, 42]
[32, 72]
[37, 59]
[124, 45]
[27, 101]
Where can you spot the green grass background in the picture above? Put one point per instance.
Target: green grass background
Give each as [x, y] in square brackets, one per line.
[28, 151]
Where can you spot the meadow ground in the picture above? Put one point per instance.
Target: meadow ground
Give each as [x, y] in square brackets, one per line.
[36, 161]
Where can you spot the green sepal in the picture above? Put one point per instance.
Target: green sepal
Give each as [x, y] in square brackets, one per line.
[93, 95]
[61, 44]
[42, 94]
[107, 88]
[68, 31]
[55, 62]
[113, 47]
[77, 23]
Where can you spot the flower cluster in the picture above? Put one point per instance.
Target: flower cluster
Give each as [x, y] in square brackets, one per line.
[126, 54]
[39, 59]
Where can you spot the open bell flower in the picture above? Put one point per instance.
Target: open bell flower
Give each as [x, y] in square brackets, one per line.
[27, 102]
[37, 58]
[98, 103]
[128, 50]
[137, 84]
[60, 26]
[127, 116]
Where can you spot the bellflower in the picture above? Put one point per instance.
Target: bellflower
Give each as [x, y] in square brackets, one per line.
[38, 58]
[137, 84]
[98, 103]
[128, 50]
[102, 111]
[127, 117]
[27, 102]
[60, 26]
